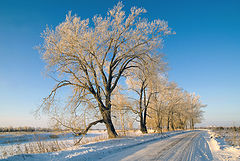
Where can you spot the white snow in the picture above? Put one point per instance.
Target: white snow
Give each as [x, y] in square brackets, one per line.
[178, 145]
[21, 138]
[221, 150]
[16, 143]
[98, 150]
[186, 146]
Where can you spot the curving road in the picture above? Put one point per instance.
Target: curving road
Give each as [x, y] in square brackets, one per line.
[190, 146]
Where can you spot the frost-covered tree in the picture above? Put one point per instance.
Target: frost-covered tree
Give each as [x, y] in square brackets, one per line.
[158, 105]
[142, 82]
[92, 56]
[194, 109]
[138, 83]
[173, 107]
[121, 110]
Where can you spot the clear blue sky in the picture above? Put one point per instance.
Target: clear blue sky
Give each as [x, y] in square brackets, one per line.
[203, 56]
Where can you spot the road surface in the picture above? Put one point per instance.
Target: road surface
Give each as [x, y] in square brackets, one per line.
[190, 146]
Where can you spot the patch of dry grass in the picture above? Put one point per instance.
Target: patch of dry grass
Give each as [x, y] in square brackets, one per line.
[34, 147]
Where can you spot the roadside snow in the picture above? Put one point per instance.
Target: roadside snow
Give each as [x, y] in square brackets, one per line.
[96, 151]
[220, 150]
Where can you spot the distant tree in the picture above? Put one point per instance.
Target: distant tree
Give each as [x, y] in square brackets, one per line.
[121, 110]
[158, 106]
[92, 57]
[195, 109]
[172, 107]
[142, 82]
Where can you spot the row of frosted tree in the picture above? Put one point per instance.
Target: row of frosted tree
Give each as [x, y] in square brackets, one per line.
[115, 74]
[157, 105]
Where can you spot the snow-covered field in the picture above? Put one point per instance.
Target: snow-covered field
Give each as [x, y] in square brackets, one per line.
[12, 139]
[230, 135]
[220, 148]
[177, 145]
[16, 143]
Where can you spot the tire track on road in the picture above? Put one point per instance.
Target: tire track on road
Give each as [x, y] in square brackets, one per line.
[173, 147]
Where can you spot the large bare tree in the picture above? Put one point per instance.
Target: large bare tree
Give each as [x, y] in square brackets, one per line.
[91, 57]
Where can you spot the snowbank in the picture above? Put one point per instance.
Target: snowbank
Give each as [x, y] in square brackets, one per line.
[221, 150]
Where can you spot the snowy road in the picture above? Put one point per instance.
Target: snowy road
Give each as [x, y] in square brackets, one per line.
[186, 146]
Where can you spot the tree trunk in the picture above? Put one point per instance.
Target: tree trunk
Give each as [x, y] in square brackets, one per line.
[172, 126]
[143, 127]
[168, 122]
[106, 114]
[192, 124]
[142, 100]
[159, 128]
[159, 124]
[172, 123]
[145, 120]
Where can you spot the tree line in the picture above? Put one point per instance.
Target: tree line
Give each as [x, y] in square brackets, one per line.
[24, 129]
[115, 73]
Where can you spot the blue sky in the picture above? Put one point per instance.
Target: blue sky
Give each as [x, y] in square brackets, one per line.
[203, 56]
